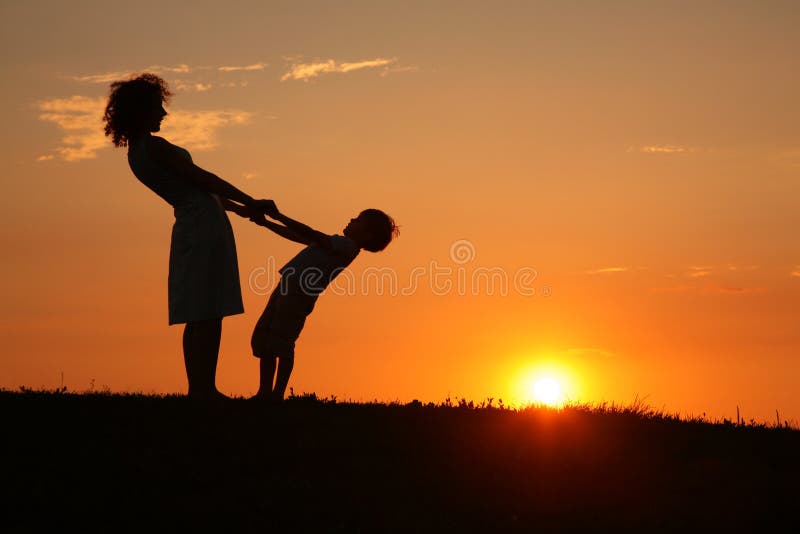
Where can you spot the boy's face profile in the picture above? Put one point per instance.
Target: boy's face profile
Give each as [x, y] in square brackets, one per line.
[356, 230]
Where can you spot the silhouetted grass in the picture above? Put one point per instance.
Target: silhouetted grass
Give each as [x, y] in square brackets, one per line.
[107, 462]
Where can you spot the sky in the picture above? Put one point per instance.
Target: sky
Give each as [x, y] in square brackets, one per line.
[604, 193]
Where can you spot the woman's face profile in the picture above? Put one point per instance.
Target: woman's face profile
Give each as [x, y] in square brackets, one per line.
[154, 114]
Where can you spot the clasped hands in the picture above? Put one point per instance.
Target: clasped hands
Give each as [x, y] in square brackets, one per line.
[256, 210]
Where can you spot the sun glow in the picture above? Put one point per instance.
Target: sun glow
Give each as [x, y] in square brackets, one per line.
[547, 390]
[547, 383]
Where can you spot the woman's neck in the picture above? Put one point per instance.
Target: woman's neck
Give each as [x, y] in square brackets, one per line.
[138, 137]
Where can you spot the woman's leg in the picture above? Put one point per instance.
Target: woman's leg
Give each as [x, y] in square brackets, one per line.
[200, 354]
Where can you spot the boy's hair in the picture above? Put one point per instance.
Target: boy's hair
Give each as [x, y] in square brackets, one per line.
[382, 229]
[128, 100]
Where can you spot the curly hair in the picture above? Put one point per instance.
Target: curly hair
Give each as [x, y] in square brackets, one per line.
[128, 101]
[382, 229]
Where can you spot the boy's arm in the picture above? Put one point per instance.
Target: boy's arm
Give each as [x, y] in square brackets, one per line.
[306, 232]
[280, 230]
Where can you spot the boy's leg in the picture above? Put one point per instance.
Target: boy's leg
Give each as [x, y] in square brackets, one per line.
[200, 354]
[285, 366]
[267, 376]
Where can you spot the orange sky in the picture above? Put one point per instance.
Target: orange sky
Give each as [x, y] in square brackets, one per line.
[643, 160]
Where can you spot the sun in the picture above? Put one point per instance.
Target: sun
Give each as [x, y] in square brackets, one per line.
[547, 391]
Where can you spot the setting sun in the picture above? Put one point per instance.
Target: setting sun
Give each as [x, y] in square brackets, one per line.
[546, 381]
[547, 391]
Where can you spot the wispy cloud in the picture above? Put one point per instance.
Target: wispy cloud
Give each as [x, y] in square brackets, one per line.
[249, 175]
[397, 69]
[305, 71]
[80, 118]
[112, 76]
[197, 130]
[108, 77]
[709, 289]
[796, 272]
[732, 267]
[699, 271]
[606, 270]
[662, 149]
[254, 66]
[197, 87]
[732, 290]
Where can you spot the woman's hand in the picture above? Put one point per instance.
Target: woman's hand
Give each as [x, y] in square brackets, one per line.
[263, 206]
[238, 209]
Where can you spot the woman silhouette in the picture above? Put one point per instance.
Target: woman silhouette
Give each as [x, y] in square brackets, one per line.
[203, 270]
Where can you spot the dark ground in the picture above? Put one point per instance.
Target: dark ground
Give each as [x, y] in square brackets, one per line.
[131, 463]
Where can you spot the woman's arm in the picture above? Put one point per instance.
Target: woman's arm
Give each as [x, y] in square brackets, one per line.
[280, 230]
[165, 153]
[238, 209]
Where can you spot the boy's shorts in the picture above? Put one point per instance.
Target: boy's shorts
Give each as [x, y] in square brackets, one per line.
[280, 325]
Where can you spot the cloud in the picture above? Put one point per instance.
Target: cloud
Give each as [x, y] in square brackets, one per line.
[662, 149]
[709, 290]
[254, 66]
[731, 267]
[112, 76]
[305, 71]
[80, 118]
[796, 272]
[732, 290]
[197, 130]
[699, 271]
[249, 175]
[198, 87]
[605, 270]
[396, 69]
[108, 77]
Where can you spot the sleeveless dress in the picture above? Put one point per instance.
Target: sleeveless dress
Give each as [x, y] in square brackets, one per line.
[203, 269]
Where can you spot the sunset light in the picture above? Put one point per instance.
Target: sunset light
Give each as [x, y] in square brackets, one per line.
[547, 391]
[574, 185]
[400, 265]
[546, 382]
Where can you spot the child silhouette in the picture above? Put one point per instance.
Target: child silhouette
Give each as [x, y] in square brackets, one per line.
[303, 278]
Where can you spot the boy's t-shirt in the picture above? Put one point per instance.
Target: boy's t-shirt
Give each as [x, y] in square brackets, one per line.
[314, 267]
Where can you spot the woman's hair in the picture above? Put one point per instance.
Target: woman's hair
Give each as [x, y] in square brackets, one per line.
[381, 227]
[128, 101]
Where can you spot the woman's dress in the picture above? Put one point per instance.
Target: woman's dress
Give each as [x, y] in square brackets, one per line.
[203, 270]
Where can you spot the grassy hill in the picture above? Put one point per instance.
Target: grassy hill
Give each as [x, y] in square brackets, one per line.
[115, 463]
